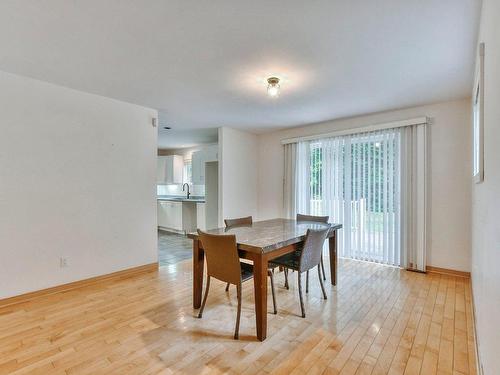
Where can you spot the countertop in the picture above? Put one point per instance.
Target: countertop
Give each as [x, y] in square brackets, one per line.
[177, 198]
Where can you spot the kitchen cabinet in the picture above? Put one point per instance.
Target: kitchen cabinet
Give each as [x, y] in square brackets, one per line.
[169, 169]
[162, 213]
[199, 158]
[177, 216]
[200, 216]
[170, 215]
[212, 153]
[198, 168]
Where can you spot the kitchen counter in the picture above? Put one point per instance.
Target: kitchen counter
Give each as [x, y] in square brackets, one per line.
[176, 198]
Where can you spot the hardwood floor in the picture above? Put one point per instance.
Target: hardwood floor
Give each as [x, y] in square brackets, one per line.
[378, 320]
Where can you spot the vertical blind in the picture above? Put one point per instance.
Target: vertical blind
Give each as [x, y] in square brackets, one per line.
[372, 183]
[355, 180]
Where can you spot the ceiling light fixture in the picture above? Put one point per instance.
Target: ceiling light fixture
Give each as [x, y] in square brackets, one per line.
[273, 87]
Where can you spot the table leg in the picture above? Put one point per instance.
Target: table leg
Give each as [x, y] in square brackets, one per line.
[260, 290]
[198, 266]
[332, 242]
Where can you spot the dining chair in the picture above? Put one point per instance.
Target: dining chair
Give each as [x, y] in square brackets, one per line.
[247, 221]
[307, 259]
[240, 221]
[318, 219]
[223, 263]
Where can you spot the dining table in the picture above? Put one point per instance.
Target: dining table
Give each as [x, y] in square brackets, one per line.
[261, 242]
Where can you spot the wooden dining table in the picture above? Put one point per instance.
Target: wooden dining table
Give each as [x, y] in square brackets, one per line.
[261, 242]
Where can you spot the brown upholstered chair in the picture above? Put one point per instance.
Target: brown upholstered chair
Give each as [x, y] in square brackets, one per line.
[309, 257]
[223, 263]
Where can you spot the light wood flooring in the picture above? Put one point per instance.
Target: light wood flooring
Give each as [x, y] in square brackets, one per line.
[377, 320]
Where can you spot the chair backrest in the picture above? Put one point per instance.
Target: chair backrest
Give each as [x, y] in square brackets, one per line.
[320, 219]
[310, 255]
[223, 261]
[238, 221]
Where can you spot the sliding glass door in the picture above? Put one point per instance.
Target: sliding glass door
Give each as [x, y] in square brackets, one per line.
[356, 180]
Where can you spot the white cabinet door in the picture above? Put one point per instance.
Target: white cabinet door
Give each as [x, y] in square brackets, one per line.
[170, 215]
[212, 153]
[175, 166]
[162, 212]
[198, 168]
[161, 170]
[169, 169]
[198, 160]
[175, 215]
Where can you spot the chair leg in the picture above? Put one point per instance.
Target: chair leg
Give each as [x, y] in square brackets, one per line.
[204, 298]
[300, 295]
[237, 329]
[307, 281]
[272, 290]
[286, 279]
[321, 283]
[323, 268]
[227, 287]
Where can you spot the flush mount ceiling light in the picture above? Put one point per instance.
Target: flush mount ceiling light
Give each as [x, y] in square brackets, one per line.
[273, 87]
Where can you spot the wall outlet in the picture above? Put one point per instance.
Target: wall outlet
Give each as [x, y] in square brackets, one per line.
[63, 262]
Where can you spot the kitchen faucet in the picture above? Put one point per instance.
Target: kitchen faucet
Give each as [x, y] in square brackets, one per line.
[183, 186]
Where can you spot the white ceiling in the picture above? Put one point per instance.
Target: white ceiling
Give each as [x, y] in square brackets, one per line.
[186, 138]
[178, 137]
[204, 63]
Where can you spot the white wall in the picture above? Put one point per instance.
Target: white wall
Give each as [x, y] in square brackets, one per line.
[450, 174]
[186, 153]
[486, 202]
[237, 173]
[77, 179]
